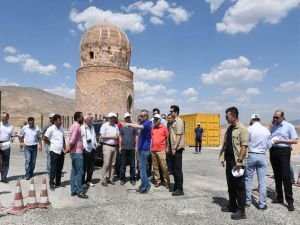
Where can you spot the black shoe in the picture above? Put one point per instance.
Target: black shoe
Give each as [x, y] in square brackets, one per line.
[73, 193]
[177, 193]
[82, 195]
[238, 215]
[247, 205]
[276, 201]
[228, 209]
[4, 180]
[291, 207]
[133, 182]
[263, 208]
[52, 187]
[122, 182]
[27, 178]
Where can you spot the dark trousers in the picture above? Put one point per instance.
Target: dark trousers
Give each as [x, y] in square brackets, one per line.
[280, 161]
[88, 165]
[169, 163]
[198, 143]
[236, 187]
[177, 169]
[5, 154]
[56, 166]
[125, 154]
[118, 162]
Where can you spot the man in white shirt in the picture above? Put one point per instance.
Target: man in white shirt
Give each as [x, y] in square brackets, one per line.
[109, 134]
[259, 143]
[6, 137]
[89, 144]
[54, 137]
[29, 137]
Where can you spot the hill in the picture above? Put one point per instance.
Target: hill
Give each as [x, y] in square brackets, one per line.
[22, 102]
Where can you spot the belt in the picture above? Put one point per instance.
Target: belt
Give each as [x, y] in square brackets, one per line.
[3, 141]
[257, 153]
[109, 145]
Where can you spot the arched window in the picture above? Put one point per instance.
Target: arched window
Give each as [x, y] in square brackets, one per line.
[129, 103]
[91, 55]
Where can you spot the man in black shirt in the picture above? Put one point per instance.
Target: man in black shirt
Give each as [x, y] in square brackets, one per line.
[198, 138]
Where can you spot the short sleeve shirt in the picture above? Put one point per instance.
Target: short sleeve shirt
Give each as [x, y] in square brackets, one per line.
[31, 135]
[284, 130]
[159, 136]
[177, 128]
[145, 136]
[6, 132]
[108, 129]
[56, 138]
[199, 132]
[128, 135]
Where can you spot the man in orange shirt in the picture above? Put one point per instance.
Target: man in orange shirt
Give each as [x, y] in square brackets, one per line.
[159, 136]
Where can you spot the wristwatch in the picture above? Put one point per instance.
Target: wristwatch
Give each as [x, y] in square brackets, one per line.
[239, 160]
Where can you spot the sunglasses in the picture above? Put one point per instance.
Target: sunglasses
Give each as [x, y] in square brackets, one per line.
[275, 117]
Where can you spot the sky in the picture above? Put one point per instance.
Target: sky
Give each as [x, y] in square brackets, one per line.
[203, 55]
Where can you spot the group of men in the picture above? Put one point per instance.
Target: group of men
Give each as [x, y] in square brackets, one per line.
[244, 151]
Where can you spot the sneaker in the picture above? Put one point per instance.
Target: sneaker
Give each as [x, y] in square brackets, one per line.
[156, 184]
[263, 208]
[73, 194]
[238, 215]
[105, 184]
[133, 182]
[177, 193]
[111, 182]
[52, 187]
[248, 205]
[122, 182]
[228, 209]
[291, 207]
[276, 201]
[90, 184]
[82, 195]
[84, 186]
[4, 180]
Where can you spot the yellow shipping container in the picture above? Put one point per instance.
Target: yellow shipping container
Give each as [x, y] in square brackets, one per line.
[210, 124]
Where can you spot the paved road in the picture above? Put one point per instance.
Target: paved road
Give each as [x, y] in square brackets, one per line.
[205, 193]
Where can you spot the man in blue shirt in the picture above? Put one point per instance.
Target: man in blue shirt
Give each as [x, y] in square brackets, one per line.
[144, 142]
[283, 136]
[198, 138]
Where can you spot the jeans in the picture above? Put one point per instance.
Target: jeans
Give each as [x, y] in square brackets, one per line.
[47, 150]
[30, 153]
[198, 142]
[5, 163]
[236, 187]
[88, 166]
[124, 156]
[144, 156]
[256, 162]
[57, 164]
[177, 170]
[280, 161]
[76, 173]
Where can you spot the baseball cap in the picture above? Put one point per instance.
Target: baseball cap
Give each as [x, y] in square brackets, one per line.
[51, 115]
[255, 116]
[198, 123]
[157, 116]
[126, 115]
[111, 114]
[235, 173]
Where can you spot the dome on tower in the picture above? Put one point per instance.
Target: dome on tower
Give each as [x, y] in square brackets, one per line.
[105, 45]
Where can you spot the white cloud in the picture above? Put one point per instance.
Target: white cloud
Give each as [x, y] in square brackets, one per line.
[7, 83]
[62, 90]
[10, 50]
[92, 16]
[231, 92]
[143, 88]
[30, 64]
[159, 10]
[214, 4]
[171, 92]
[295, 100]
[192, 99]
[253, 91]
[211, 106]
[191, 92]
[288, 86]
[244, 15]
[151, 74]
[233, 71]
[67, 65]
[73, 32]
[156, 20]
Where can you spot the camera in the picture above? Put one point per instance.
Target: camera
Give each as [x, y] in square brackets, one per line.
[88, 141]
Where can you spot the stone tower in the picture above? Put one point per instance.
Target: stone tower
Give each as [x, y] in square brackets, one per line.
[104, 82]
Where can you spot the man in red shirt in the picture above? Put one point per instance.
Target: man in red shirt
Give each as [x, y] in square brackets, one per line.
[159, 136]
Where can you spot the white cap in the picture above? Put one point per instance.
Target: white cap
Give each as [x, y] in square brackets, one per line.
[255, 116]
[127, 115]
[111, 114]
[157, 116]
[51, 115]
[198, 123]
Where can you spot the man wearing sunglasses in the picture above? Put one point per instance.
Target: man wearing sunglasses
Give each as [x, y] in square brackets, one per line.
[283, 136]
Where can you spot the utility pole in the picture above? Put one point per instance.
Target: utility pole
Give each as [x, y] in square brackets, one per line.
[0, 101]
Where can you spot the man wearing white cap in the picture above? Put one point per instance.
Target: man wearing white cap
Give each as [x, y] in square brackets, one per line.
[198, 138]
[128, 147]
[46, 146]
[109, 134]
[259, 143]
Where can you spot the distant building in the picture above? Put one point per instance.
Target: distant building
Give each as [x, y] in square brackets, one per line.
[104, 82]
